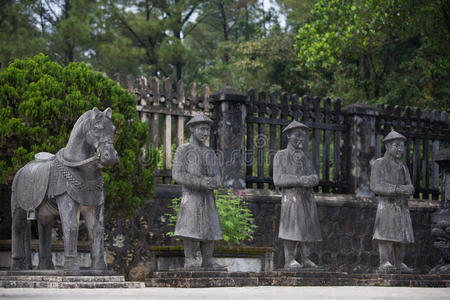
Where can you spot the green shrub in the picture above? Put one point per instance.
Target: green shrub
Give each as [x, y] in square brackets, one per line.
[39, 104]
[235, 216]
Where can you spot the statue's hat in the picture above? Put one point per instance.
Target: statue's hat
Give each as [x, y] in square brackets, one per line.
[199, 119]
[295, 125]
[394, 135]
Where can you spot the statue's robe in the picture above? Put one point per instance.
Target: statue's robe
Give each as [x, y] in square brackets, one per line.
[198, 217]
[299, 220]
[392, 221]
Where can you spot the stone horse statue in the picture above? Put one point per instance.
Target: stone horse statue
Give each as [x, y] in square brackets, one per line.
[68, 183]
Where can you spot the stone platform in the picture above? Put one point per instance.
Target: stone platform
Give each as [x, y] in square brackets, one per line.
[64, 279]
[201, 279]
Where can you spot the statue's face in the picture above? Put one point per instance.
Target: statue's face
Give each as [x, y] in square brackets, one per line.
[201, 131]
[395, 148]
[297, 138]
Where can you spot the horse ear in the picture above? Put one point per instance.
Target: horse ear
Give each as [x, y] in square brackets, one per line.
[96, 111]
[108, 112]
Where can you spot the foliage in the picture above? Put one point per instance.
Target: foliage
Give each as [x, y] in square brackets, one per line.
[18, 35]
[378, 51]
[235, 216]
[40, 102]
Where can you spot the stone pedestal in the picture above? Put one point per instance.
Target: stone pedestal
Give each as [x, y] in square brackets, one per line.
[285, 278]
[64, 279]
[360, 147]
[230, 113]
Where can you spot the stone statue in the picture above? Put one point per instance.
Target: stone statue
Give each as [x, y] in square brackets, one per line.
[196, 168]
[391, 182]
[294, 172]
[440, 227]
[68, 183]
[440, 231]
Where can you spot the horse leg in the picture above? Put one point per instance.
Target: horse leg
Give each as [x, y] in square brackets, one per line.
[46, 220]
[93, 215]
[20, 236]
[69, 213]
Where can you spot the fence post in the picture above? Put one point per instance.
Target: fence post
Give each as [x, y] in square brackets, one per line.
[360, 147]
[230, 112]
[443, 159]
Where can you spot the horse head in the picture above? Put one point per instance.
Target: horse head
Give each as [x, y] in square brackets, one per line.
[99, 131]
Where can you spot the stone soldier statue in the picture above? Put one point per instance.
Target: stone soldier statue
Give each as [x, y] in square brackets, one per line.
[196, 168]
[391, 182]
[294, 172]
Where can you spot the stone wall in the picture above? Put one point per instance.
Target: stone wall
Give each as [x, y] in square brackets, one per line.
[346, 221]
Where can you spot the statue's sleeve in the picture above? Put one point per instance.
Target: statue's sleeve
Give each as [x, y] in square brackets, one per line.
[407, 175]
[212, 163]
[377, 183]
[311, 170]
[280, 176]
[179, 172]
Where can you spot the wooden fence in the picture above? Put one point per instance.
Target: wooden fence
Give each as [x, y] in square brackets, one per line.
[267, 115]
[166, 109]
[427, 132]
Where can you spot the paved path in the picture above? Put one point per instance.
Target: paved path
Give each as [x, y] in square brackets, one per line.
[244, 293]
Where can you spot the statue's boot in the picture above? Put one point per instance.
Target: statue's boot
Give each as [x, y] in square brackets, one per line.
[404, 268]
[399, 249]
[289, 255]
[386, 267]
[190, 249]
[386, 251]
[307, 263]
[98, 263]
[207, 249]
[293, 264]
[46, 263]
[18, 263]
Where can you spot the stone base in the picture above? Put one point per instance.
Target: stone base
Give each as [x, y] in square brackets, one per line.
[64, 279]
[201, 279]
[307, 270]
[201, 269]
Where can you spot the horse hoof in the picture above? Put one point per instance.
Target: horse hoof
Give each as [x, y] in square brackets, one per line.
[71, 264]
[98, 264]
[19, 264]
[46, 264]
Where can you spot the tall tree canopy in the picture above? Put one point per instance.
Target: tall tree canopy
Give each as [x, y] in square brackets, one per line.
[375, 51]
[381, 51]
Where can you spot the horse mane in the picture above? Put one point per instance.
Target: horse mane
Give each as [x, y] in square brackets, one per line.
[78, 124]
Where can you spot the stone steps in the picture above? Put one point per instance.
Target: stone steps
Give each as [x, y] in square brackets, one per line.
[192, 279]
[69, 285]
[64, 279]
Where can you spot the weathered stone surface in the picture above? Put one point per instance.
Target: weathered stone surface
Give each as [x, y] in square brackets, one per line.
[69, 182]
[129, 241]
[294, 173]
[440, 228]
[391, 182]
[287, 278]
[229, 131]
[360, 147]
[235, 259]
[64, 279]
[196, 167]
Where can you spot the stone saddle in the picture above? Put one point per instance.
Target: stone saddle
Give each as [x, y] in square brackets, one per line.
[52, 176]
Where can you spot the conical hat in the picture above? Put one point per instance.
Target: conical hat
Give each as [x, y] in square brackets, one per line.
[294, 125]
[199, 119]
[394, 135]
